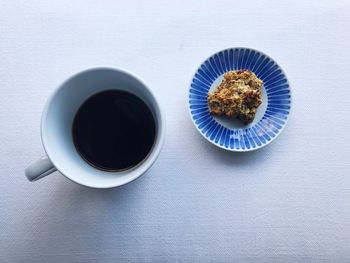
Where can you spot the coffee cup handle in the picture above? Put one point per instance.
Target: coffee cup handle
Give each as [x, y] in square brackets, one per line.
[39, 169]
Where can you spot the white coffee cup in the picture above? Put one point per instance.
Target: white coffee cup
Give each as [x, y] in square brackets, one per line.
[56, 129]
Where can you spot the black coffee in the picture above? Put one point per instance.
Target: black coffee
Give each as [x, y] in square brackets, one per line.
[114, 130]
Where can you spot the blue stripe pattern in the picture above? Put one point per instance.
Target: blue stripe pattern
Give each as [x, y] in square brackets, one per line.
[275, 84]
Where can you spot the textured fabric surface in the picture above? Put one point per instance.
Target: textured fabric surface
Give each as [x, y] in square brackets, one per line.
[287, 202]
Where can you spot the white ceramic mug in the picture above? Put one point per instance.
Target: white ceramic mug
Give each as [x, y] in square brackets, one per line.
[56, 129]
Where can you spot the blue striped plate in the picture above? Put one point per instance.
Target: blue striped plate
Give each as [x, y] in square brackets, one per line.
[229, 133]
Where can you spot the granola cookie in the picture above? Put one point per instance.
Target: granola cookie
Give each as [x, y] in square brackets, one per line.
[238, 95]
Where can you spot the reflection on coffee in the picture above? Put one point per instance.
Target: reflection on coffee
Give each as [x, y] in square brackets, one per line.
[114, 130]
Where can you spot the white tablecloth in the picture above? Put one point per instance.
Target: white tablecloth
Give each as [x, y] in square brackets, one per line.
[287, 202]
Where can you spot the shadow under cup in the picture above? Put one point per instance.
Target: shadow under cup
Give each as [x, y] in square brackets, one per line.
[57, 121]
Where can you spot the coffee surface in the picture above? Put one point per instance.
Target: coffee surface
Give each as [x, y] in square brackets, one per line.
[114, 130]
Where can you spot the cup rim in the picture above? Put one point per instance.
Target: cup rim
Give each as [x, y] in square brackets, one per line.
[144, 166]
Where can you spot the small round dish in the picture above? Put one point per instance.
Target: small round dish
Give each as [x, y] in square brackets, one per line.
[272, 114]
